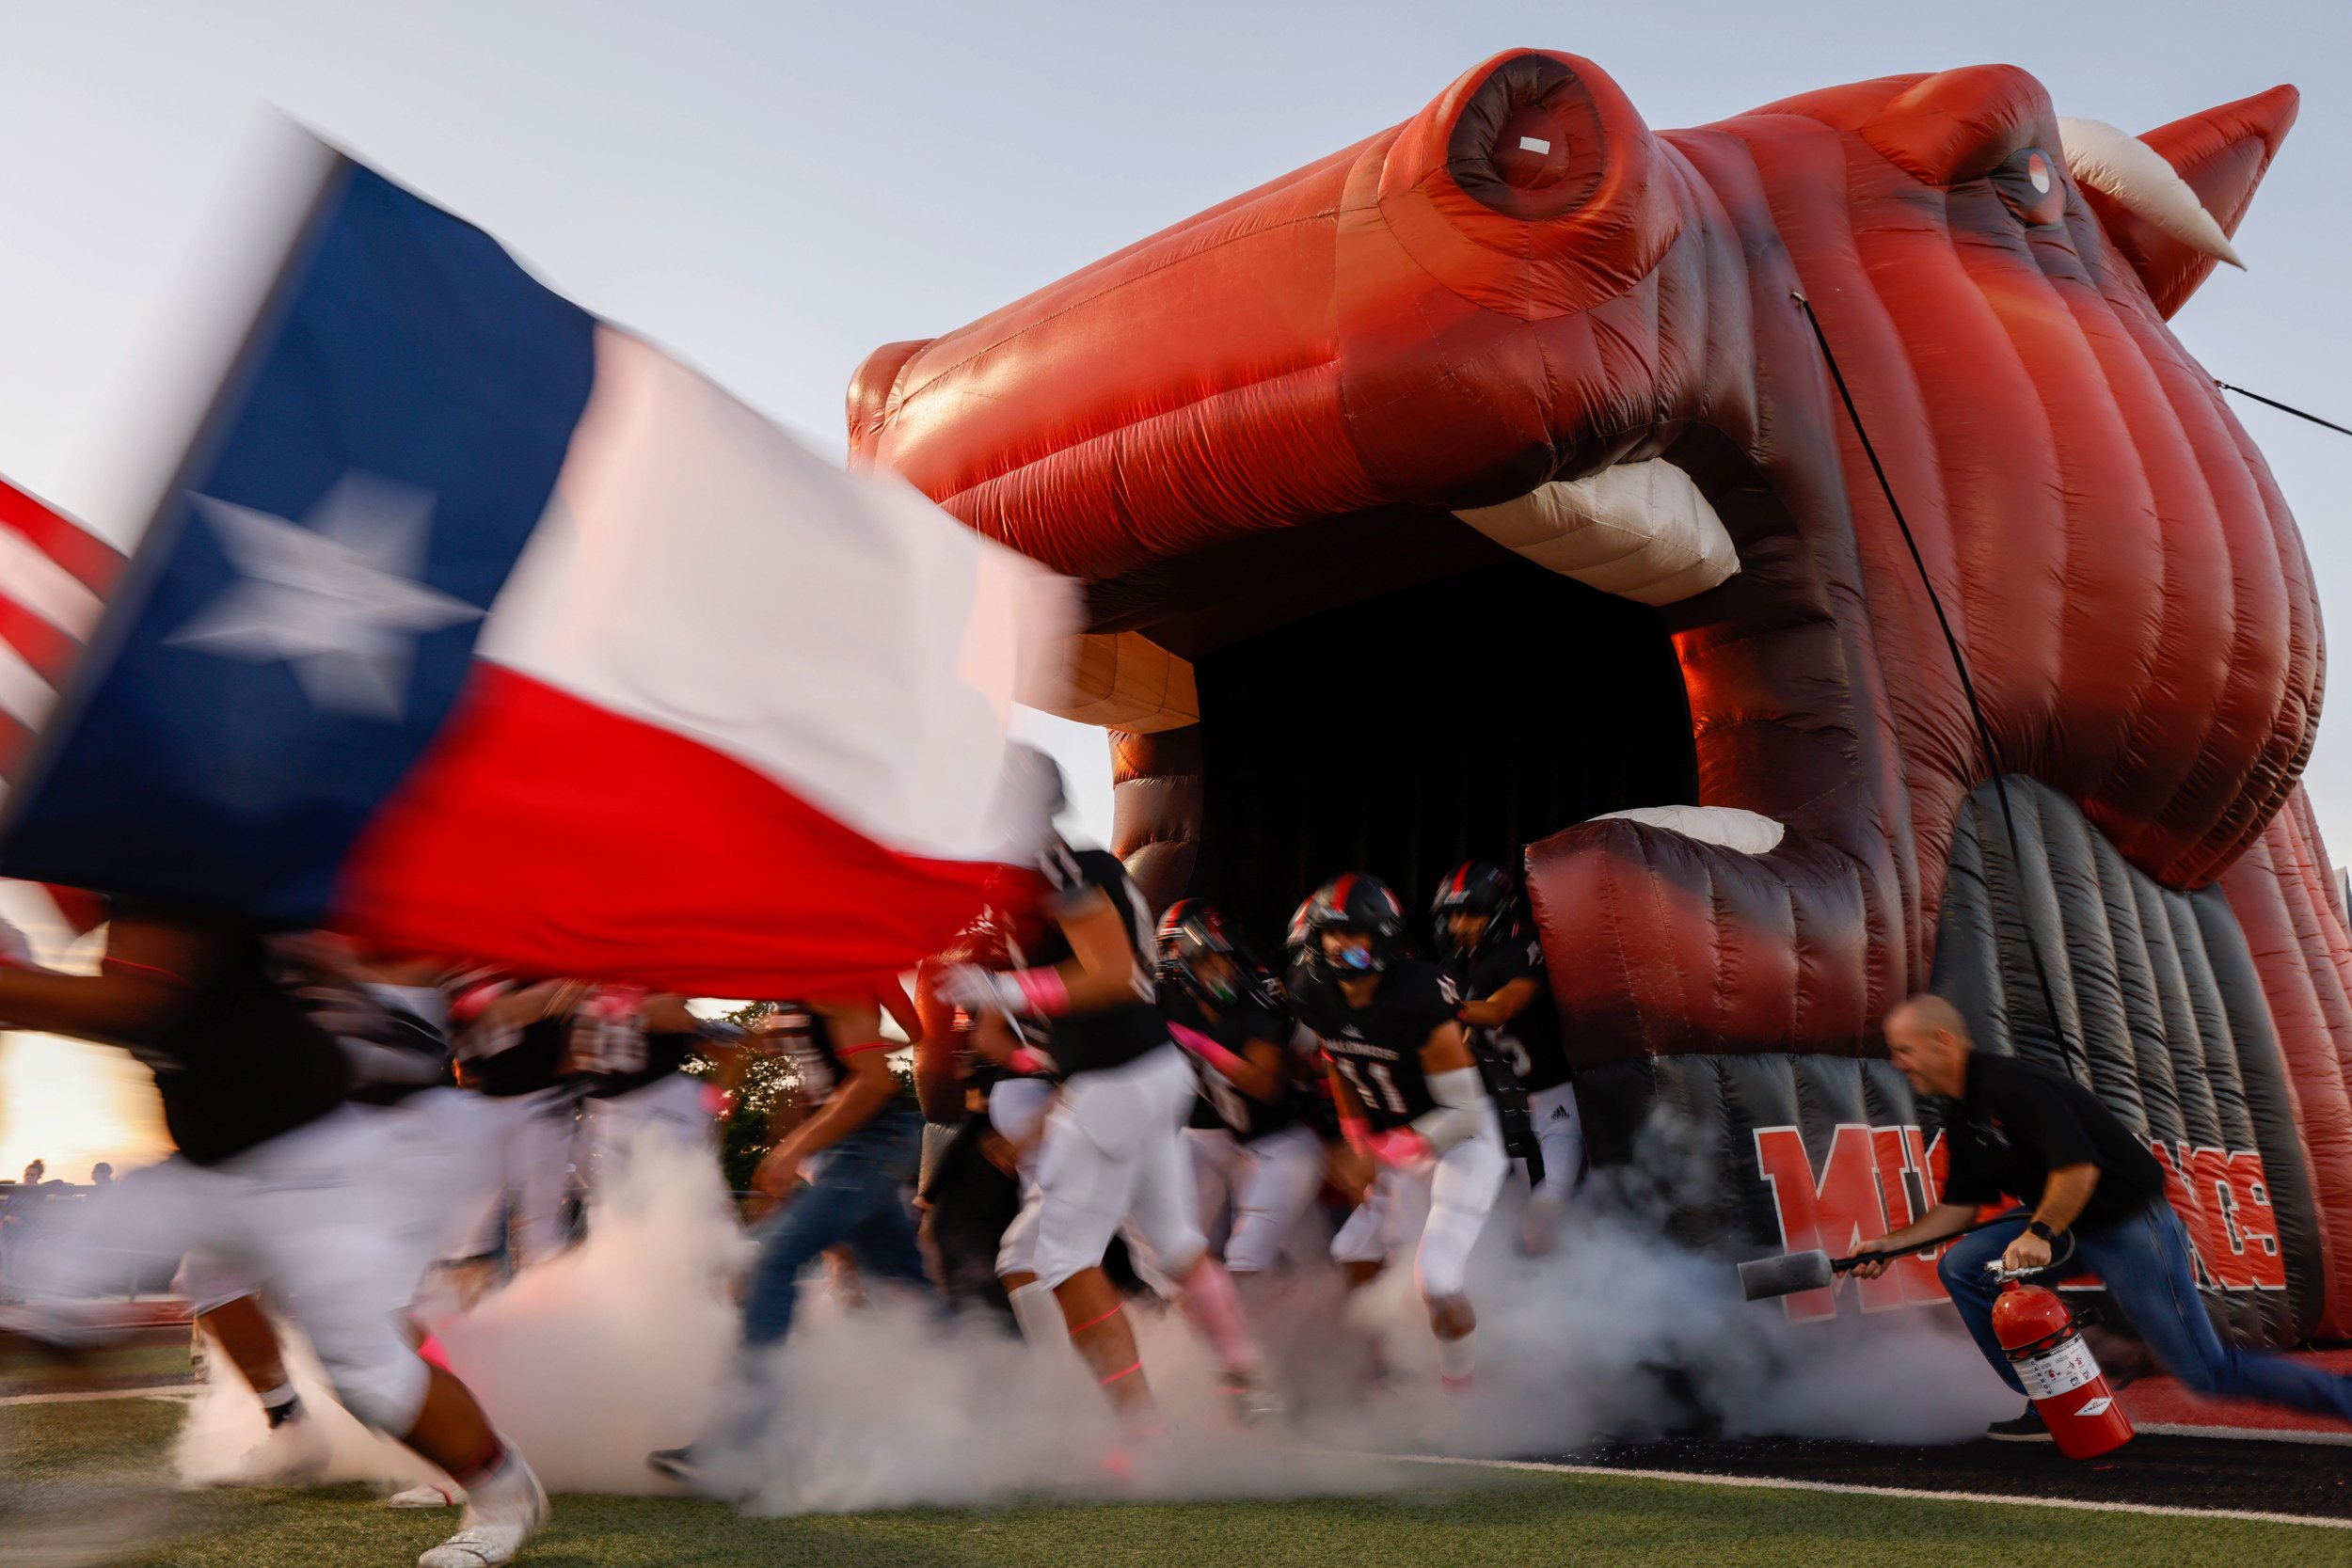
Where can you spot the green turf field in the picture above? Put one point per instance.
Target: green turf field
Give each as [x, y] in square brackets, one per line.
[1461, 1519]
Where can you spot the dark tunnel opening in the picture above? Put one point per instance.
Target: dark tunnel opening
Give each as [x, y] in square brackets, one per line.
[1402, 734]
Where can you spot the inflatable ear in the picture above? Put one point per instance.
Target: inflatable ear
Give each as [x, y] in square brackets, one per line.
[2219, 157]
[1530, 187]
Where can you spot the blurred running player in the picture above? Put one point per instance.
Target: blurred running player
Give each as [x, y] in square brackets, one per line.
[275, 1171]
[1493, 957]
[1247, 1140]
[1410, 1097]
[388, 1018]
[627, 1049]
[511, 1038]
[389, 1015]
[1111, 1153]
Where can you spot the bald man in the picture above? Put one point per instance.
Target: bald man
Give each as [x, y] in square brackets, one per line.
[2097, 1200]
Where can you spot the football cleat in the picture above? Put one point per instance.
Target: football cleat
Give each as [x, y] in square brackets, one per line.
[1254, 1400]
[502, 1513]
[680, 1465]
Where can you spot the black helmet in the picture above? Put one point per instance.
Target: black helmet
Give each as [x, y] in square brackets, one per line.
[1299, 936]
[1473, 887]
[1356, 902]
[1191, 926]
[1190, 929]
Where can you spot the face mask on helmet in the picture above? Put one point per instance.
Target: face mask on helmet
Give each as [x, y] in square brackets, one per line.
[1482, 896]
[1456, 933]
[1352, 960]
[1196, 951]
[1207, 965]
[1357, 906]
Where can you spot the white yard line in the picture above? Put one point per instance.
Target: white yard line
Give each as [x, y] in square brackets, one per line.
[1781, 1483]
[2244, 1434]
[78, 1396]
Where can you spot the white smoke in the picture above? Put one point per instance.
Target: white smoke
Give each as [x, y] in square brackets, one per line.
[225, 1431]
[626, 1344]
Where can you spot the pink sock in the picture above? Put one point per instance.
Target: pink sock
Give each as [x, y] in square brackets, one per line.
[1208, 1299]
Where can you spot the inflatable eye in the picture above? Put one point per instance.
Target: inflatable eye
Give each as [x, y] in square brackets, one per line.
[2029, 185]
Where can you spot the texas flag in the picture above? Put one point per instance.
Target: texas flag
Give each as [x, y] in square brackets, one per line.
[480, 628]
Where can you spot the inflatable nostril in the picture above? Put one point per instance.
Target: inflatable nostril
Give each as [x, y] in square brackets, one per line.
[2027, 182]
[1536, 138]
[1531, 150]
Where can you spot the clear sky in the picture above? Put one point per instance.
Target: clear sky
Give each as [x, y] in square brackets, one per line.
[772, 189]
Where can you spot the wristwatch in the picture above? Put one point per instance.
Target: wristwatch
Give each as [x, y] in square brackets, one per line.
[2038, 1228]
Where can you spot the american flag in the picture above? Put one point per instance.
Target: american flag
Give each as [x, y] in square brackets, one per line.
[54, 581]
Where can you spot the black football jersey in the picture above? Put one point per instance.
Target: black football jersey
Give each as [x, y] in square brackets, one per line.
[1378, 1048]
[1110, 1036]
[1531, 1041]
[240, 1061]
[1222, 1103]
[405, 1048]
[506, 1063]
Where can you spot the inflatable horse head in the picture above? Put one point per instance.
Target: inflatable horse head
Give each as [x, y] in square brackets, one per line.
[1537, 394]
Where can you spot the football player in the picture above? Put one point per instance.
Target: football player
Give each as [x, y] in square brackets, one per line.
[629, 1050]
[1411, 1102]
[1111, 1153]
[510, 1038]
[1246, 1139]
[388, 1015]
[1489, 951]
[275, 1169]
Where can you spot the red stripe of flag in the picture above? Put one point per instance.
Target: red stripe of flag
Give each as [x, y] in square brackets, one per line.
[91, 560]
[49, 651]
[551, 835]
[83, 909]
[15, 740]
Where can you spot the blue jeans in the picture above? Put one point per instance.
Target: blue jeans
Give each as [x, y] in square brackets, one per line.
[855, 1201]
[2150, 1275]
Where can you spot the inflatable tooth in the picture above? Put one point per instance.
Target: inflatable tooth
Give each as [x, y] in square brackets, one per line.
[1483, 488]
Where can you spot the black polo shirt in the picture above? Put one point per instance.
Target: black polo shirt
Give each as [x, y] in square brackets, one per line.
[2016, 1122]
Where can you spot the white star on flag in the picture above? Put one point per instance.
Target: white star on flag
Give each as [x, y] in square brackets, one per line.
[335, 597]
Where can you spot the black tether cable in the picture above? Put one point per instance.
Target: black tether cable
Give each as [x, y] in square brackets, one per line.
[2283, 407]
[1967, 686]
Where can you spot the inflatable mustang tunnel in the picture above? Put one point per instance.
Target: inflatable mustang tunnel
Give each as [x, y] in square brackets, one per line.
[1484, 487]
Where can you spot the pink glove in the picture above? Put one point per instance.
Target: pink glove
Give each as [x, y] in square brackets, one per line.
[1400, 1146]
[1227, 1064]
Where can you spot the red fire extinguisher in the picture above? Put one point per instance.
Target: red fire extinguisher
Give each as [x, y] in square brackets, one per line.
[2063, 1380]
